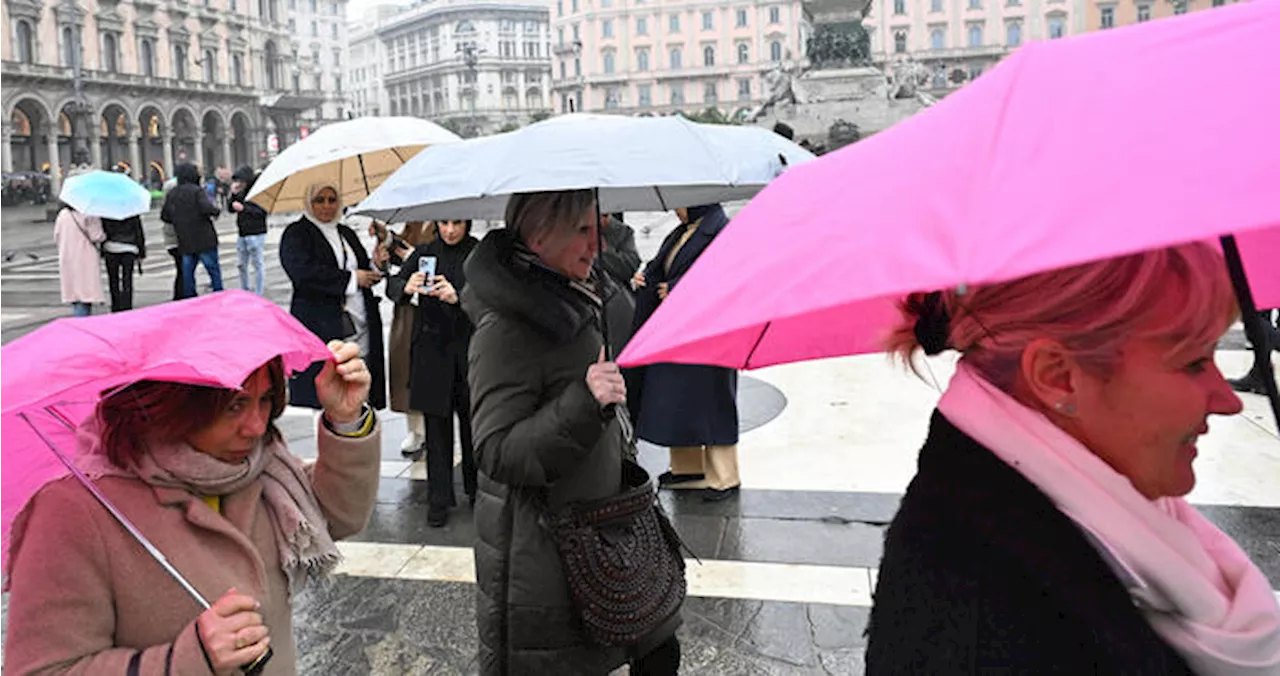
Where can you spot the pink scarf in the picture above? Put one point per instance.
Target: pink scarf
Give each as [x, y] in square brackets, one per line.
[1193, 583]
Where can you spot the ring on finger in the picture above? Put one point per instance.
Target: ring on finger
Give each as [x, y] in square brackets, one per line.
[239, 642]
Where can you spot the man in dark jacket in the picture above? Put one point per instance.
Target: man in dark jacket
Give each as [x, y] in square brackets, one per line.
[619, 259]
[191, 212]
[251, 222]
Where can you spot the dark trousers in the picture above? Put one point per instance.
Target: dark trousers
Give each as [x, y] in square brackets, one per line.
[661, 661]
[177, 273]
[440, 451]
[1270, 338]
[120, 280]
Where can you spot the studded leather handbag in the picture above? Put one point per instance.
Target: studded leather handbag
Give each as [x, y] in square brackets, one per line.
[621, 557]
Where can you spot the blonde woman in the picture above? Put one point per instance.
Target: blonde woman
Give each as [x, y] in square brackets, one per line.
[1046, 531]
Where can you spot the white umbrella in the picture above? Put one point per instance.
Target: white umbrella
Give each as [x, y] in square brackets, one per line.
[636, 163]
[105, 194]
[357, 155]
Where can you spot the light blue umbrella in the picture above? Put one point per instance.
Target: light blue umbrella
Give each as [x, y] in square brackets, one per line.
[635, 164]
[105, 194]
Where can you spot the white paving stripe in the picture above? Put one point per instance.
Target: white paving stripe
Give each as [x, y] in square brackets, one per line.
[798, 583]
[712, 578]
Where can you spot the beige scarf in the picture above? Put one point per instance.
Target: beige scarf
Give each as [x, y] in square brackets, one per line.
[307, 551]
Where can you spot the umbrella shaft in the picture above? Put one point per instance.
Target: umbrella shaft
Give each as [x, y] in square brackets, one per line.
[123, 521]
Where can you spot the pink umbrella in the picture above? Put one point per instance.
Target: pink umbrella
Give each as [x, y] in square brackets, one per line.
[55, 375]
[1068, 151]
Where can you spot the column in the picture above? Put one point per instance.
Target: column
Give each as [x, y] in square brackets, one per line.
[198, 160]
[135, 157]
[227, 159]
[95, 147]
[6, 151]
[167, 138]
[55, 176]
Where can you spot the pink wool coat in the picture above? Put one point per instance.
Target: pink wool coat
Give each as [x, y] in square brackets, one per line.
[77, 236]
[86, 599]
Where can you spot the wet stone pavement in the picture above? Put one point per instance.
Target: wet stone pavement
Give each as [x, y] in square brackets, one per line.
[786, 569]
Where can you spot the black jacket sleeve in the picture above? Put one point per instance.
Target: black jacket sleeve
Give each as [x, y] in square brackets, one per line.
[311, 275]
[397, 282]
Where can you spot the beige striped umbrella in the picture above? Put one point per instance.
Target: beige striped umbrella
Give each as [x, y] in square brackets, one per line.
[357, 155]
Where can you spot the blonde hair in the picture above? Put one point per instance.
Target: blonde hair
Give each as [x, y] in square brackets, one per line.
[1091, 309]
[531, 215]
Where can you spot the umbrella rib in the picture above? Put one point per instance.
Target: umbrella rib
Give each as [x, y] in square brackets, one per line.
[746, 364]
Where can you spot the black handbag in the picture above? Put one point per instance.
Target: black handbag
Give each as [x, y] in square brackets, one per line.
[621, 557]
[348, 324]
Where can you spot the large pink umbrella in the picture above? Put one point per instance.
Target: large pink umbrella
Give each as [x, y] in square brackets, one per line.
[54, 376]
[1068, 151]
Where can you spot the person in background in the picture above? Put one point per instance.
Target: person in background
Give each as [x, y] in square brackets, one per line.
[191, 212]
[400, 343]
[1252, 382]
[77, 237]
[692, 409]
[619, 259]
[332, 279]
[251, 222]
[124, 249]
[1046, 530]
[438, 370]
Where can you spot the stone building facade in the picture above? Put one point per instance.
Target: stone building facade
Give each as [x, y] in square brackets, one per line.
[474, 66]
[144, 84]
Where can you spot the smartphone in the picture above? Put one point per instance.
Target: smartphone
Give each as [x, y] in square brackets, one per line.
[427, 266]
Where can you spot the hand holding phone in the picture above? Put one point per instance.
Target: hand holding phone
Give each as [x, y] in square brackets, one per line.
[427, 266]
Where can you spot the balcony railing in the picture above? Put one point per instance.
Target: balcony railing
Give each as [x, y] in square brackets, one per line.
[102, 77]
[568, 82]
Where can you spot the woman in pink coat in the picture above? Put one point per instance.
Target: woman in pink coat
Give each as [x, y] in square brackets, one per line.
[78, 236]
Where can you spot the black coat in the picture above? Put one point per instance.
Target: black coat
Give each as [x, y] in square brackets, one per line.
[619, 260]
[539, 435]
[982, 574]
[682, 404]
[253, 219]
[441, 331]
[319, 289]
[127, 231]
[188, 208]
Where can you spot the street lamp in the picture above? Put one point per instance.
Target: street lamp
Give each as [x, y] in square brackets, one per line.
[470, 55]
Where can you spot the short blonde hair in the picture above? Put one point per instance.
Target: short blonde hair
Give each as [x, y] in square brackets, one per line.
[1091, 309]
[531, 215]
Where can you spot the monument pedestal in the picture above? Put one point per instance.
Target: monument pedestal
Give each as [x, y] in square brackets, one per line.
[824, 97]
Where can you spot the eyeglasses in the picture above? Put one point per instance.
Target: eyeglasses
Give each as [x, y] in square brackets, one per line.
[324, 200]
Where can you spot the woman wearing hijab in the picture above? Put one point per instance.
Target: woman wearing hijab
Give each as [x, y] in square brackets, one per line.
[438, 371]
[332, 279]
[691, 409]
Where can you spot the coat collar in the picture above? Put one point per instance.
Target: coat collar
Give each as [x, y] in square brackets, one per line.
[235, 523]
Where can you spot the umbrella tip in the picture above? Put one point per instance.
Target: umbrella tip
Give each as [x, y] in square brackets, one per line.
[962, 289]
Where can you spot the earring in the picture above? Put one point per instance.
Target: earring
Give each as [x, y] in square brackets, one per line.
[1065, 407]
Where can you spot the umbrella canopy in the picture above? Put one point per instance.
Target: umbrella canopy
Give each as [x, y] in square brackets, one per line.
[1068, 151]
[106, 194]
[357, 155]
[63, 368]
[637, 163]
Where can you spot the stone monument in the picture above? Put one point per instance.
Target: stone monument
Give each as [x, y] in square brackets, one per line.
[836, 94]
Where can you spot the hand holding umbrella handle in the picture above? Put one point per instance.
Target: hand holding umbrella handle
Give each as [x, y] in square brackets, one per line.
[255, 667]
